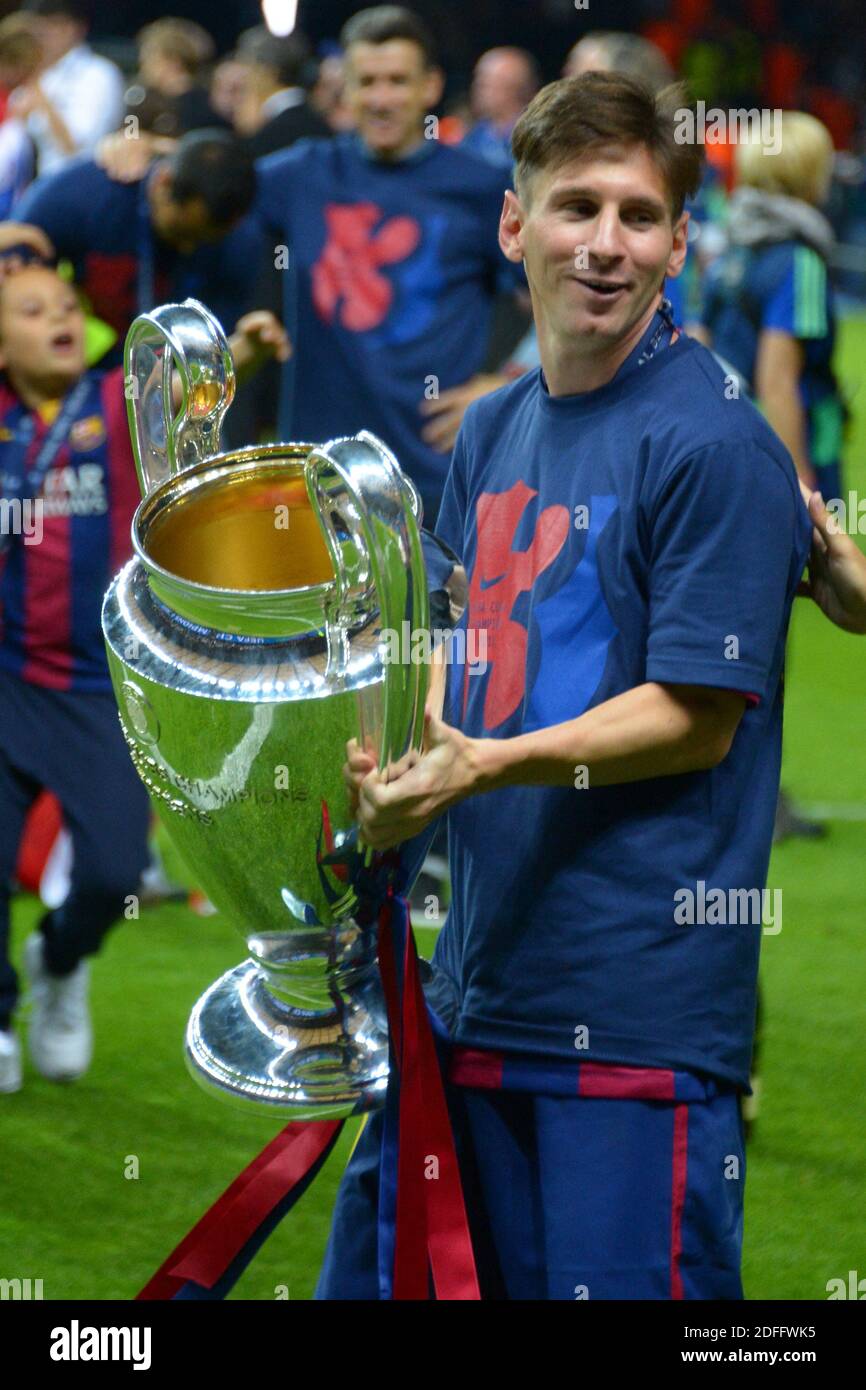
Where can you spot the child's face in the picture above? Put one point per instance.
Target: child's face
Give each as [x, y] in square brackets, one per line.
[41, 328]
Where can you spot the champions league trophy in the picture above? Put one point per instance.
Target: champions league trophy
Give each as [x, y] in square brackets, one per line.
[244, 646]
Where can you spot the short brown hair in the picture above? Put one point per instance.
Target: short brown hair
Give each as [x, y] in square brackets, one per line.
[19, 46]
[382, 23]
[288, 56]
[182, 39]
[577, 115]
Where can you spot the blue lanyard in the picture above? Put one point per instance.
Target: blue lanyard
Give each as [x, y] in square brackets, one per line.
[667, 325]
[16, 479]
[662, 323]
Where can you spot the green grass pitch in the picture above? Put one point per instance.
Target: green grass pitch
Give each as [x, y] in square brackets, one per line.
[71, 1217]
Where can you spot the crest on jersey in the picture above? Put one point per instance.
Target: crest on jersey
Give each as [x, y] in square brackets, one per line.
[88, 433]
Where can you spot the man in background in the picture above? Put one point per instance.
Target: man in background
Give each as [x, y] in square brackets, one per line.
[20, 61]
[179, 231]
[173, 59]
[386, 243]
[274, 110]
[78, 97]
[611, 51]
[393, 264]
[504, 82]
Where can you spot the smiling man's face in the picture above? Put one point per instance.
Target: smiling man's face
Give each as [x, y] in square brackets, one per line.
[390, 90]
[597, 239]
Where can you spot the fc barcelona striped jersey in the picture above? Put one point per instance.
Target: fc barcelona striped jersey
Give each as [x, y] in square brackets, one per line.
[52, 585]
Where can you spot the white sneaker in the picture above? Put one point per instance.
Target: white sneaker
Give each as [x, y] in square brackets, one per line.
[61, 1039]
[10, 1063]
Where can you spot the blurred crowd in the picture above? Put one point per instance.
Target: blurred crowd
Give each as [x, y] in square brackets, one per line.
[59, 98]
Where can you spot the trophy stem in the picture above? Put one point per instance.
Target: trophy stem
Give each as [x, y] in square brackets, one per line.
[247, 1044]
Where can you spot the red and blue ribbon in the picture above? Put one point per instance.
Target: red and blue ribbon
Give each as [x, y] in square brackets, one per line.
[209, 1261]
[423, 1226]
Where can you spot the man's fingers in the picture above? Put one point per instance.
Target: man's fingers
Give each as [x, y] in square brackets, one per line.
[353, 778]
[818, 513]
[278, 338]
[355, 771]
[442, 434]
[397, 769]
[272, 334]
[376, 800]
[41, 242]
[380, 839]
[372, 787]
[124, 160]
[354, 749]
[444, 401]
[826, 523]
[357, 766]
[358, 755]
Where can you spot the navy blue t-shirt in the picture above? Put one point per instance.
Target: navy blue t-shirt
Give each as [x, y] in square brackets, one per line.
[613, 538]
[392, 268]
[101, 226]
[783, 286]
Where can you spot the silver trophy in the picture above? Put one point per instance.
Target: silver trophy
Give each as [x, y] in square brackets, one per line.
[245, 647]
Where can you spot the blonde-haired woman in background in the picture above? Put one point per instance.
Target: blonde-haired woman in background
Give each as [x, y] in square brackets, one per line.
[768, 302]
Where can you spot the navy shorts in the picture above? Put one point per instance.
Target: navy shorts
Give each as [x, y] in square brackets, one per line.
[573, 1198]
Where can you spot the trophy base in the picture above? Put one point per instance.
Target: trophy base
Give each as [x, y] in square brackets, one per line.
[246, 1045]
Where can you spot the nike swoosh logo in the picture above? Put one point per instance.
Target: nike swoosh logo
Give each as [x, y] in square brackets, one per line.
[488, 583]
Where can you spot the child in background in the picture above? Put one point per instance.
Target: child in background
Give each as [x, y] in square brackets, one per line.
[64, 440]
[768, 306]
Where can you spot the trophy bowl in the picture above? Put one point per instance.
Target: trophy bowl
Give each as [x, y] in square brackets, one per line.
[245, 643]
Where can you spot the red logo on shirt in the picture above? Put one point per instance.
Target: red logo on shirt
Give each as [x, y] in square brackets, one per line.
[499, 576]
[346, 279]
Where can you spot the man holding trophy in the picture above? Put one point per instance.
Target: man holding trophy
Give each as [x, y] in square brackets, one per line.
[610, 781]
[609, 772]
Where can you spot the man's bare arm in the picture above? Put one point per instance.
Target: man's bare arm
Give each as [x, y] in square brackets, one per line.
[25, 234]
[653, 730]
[126, 159]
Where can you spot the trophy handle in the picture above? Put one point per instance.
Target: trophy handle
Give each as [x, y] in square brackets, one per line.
[185, 338]
[370, 515]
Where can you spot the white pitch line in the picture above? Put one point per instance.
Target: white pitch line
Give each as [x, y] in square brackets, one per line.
[834, 810]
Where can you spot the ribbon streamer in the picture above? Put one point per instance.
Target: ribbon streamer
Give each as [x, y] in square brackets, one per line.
[431, 1221]
[209, 1260]
[430, 1230]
